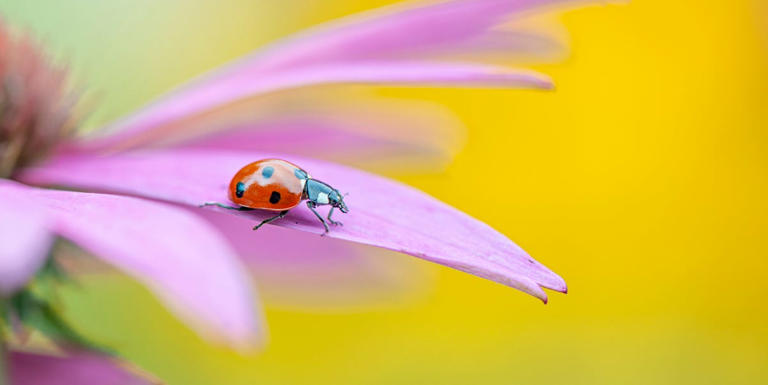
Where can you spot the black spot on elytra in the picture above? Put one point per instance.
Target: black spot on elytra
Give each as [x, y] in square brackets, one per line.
[274, 198]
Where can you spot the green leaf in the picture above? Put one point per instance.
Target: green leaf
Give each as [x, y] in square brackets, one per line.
[41, 316]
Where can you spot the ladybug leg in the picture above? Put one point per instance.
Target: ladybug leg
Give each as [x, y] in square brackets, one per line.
[312, 206]
[264, 222]
[225, 206]
[335, 223]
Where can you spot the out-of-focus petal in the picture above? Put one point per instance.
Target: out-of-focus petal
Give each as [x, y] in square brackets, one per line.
[24, 242]
[198, 101]
[416, 43]
[504, 47]
[184, 260]
[397, 31]
[351, 125]
[383, 212]
[293, 120]
[336, 140]
[76, 368]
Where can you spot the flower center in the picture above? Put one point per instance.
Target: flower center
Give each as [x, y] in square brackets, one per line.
[36, 102]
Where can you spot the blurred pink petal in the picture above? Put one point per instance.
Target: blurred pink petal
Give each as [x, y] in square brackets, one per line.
[193, 101]
[333, 141]
[503, 47]
[180, 257]
[405, 30]
[392, 45]
[383, 213]
[77, 368]
[351, 124]
[24, 242]
[394, 32]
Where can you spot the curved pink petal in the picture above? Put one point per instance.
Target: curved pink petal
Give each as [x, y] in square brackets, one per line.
[503, 47]
[185, 261]
[374, 47]
[24, 241]
[138, 129]
[334, 141]
[383, 213]
[76, 368]
[394, 32]
[347, 124]
[371, 48]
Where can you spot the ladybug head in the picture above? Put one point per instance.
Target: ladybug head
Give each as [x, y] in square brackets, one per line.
[337, 200]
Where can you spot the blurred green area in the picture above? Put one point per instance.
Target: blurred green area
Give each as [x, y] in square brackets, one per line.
[642, 181]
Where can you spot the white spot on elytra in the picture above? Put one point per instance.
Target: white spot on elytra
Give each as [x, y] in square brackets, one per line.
[285, 179]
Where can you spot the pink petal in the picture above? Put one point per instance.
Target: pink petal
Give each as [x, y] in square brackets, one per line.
[371, 130]
[337, 142]
[24, 242]
[503, 47]
[184, 260]
[383, 213]
[394, 32]
[199, 100]
[372, 48]
[77, 368]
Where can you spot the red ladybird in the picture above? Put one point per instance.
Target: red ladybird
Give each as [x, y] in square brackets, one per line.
[278, 185]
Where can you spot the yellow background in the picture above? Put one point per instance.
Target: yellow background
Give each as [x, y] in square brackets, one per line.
[641, 180]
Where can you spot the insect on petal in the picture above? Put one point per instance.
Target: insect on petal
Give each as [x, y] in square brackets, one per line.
[383, 212]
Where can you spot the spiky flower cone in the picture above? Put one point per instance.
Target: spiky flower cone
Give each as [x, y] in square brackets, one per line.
[36, 102]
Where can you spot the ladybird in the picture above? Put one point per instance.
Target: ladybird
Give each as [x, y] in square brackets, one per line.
[279, 185]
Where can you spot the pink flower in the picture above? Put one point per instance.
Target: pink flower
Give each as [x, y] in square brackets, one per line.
[182, 150]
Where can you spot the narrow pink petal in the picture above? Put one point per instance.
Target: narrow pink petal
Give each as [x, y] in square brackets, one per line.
[200, 100]
[372, 48]
[184, 260]
[398, 31]
[337, 141]
[24, 242]
[383, 213]
[503, 47]
[77, 368]
[372, 131]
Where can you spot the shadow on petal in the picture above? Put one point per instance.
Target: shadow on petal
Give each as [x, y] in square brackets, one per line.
[301, 270]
